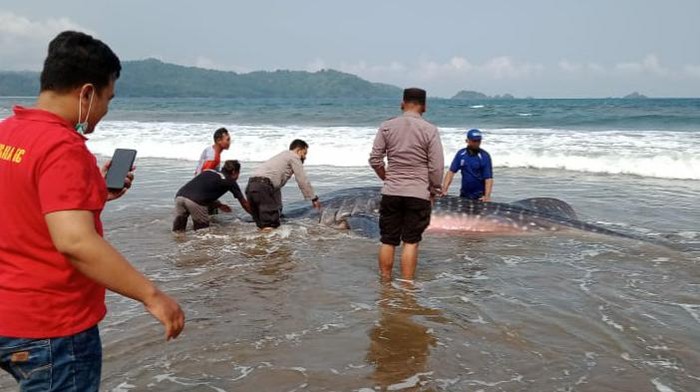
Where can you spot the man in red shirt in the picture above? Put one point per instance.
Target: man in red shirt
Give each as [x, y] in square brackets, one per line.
[211, 156]
[54, 263]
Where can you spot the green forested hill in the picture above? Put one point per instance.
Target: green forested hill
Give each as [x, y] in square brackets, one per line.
[153, 78]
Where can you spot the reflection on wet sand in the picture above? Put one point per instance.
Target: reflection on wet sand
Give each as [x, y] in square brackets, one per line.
[400, 346]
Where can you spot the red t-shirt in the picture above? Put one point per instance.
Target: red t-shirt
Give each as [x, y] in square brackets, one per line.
[44, 167]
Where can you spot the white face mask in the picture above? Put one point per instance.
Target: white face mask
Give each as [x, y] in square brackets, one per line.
[82, 126]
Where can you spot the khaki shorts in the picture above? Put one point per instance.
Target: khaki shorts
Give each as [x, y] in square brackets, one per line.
[185, 207]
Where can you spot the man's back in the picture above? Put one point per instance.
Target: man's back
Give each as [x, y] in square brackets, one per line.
[280, 168]
[209, 186]
[414, 154]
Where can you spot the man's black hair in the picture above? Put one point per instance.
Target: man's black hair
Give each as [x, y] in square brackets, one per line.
[219, 133]
[414, 95]
[298, 143]
[75, 59]
[231, 167]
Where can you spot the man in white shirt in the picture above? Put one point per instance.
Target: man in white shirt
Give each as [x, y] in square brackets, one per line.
[211, 156]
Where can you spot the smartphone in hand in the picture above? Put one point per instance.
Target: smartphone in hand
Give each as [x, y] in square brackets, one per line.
[122, 162]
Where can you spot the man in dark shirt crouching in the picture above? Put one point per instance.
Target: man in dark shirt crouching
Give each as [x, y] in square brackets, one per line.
[204, 191]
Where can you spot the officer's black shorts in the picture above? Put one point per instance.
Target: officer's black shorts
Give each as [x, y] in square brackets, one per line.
[403, 218]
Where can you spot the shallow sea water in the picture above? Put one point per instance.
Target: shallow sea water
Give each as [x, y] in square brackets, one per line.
[302, 309]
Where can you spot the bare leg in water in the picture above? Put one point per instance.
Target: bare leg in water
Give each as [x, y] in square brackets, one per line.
[409, 260]
[386, 261]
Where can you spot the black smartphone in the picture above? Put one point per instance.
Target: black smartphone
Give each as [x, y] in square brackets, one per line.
[122, 162]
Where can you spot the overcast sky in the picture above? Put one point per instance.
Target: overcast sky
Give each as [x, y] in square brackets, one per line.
[540, 48]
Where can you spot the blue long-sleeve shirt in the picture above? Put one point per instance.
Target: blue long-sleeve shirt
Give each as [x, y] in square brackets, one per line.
[476, 168]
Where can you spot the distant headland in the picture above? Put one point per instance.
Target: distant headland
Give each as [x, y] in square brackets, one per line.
[475, 95]
[635, 95]
[154, 78]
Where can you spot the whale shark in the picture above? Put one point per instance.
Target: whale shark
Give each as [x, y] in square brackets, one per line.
[357, 209]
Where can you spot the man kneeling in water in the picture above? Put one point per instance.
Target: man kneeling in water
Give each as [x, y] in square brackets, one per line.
[203, 191]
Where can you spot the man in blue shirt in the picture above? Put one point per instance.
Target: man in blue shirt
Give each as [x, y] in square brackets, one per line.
[475, 166]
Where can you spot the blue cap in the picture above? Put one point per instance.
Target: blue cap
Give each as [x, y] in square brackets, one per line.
[474, 134]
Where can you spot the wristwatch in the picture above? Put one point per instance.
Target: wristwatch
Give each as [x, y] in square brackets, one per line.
[315, 199]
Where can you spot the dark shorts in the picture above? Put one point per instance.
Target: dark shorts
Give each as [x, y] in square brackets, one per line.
[265, 202]
[403, 219]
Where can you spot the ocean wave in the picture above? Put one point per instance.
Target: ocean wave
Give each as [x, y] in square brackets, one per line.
[660, 154]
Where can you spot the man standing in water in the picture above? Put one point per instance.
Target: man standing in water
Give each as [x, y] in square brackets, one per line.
[211, 156]
[54, 262]
[475, 165]
[412, 178]
[264, 190]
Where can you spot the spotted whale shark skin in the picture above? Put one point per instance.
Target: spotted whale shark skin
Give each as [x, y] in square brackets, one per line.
[358, 209]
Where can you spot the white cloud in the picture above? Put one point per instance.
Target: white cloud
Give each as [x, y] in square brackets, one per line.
[498, 68]
[16, 26]
[362, 68]
[23, 42]
[570, 67]
[650, 65]
[506, 68]
[596, 68]
[206, 62]
[316, 65]
[692, 71]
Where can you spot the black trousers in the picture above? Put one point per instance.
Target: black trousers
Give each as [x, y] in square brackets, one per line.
[265, 202]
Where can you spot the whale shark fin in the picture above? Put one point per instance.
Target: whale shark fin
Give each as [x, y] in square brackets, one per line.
[547, 205]
[365, 225]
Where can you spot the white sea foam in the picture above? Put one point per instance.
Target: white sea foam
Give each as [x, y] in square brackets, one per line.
[409, 382]
[607, 320]
[661, 154]
[661, 387]
[692, 309]
[123, 387]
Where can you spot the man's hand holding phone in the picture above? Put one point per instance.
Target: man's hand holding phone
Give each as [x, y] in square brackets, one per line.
[115, 194]
[119, 173]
